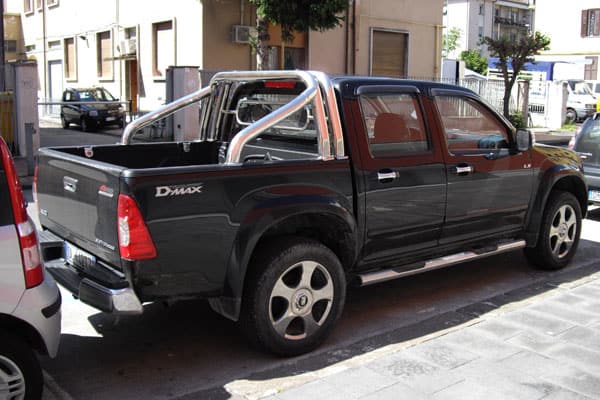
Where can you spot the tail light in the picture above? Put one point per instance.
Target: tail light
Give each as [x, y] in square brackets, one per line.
[135, 242]
[32, 265]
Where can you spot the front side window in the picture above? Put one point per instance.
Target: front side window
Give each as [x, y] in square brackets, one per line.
[469, 127]
[394, 124]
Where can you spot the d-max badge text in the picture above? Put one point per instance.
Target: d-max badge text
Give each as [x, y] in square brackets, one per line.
[178, 190]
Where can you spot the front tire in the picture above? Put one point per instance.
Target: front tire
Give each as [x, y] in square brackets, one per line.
[559, 232]
[571, 116]
[294, 295]
[20, 372]
[85, 125]
[65, 124]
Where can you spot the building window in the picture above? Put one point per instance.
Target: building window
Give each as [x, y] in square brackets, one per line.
[104, 55]
[27, 6]
[163, 47]
[52, 3]
[389, 53]
[70, 59]
[481, 9]
[480, 32]
[590, 22]
[10, 46]
[591, 69]
[39, 4]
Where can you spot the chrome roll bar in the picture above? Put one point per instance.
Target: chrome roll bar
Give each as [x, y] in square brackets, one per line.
[162, 112]
[310, 93]
[313, 81]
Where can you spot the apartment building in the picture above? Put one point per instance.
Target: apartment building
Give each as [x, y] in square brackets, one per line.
[492, 18]
[127, 45]
[574, 34]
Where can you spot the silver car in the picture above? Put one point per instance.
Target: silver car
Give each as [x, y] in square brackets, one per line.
[29, 298]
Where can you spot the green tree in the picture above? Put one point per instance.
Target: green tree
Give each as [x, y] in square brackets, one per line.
[474, 61]
[450, 41]
[512, 57]
[294, 16]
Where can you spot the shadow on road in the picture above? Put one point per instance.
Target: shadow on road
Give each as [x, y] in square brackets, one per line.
[186, 351]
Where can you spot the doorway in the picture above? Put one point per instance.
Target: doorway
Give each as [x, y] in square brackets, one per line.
[131, 84]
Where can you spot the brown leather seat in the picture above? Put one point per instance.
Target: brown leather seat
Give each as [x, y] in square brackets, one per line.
[390, 128]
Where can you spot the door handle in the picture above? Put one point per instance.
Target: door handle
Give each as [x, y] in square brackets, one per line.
[70, 184]
[386, 176]
[463, 169]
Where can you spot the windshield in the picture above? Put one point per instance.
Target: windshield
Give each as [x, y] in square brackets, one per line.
[96, 94]
[580, 88]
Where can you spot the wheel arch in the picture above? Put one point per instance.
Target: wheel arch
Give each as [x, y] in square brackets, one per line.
[22, 329]
[571, 183]
[333, 228]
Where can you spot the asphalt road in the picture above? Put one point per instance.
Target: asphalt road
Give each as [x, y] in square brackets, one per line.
[186, 350]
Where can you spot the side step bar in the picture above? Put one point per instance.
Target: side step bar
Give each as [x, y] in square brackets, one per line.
[436, 263]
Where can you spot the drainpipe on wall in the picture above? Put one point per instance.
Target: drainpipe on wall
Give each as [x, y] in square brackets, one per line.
[44, 50]
[437, 57]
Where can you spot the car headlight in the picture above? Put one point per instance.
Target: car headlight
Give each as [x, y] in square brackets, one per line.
[93, 113]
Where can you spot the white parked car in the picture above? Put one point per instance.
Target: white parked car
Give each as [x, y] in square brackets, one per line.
[29, 298]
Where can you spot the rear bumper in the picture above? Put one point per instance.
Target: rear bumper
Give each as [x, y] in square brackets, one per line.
[40, 308]
[97, 295]
[110, 300]
[102, 289]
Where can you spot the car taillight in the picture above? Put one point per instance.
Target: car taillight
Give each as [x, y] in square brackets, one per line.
[135, 242]
[32, 265]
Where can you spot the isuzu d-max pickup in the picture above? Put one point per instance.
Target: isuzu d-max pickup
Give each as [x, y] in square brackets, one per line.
[296, 185]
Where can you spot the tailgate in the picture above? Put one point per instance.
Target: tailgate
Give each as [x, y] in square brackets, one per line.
[77, 199]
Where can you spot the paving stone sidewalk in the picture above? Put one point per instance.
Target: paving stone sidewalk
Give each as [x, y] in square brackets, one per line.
[543, 347]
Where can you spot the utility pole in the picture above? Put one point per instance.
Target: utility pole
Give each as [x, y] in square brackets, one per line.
[2, 56]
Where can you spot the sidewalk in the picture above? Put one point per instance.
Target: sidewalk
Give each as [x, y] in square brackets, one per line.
[538, 342]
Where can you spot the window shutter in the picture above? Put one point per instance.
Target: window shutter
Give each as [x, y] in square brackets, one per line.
[595, 20]
[584, 23]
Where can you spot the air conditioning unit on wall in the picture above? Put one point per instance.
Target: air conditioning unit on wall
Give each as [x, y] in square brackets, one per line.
[241, 33]
[128, 46]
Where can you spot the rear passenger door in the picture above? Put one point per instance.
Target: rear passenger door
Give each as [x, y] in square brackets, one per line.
[489, 181]
[403, 172]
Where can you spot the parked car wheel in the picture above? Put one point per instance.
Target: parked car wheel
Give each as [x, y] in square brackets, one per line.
[559, 232]
[65, 124]
[20, 372]
[571, 115]
[85, 125]
[295, 294]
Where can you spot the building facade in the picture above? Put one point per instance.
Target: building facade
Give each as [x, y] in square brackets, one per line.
[126, 45]
[574, 33]
[477, 19]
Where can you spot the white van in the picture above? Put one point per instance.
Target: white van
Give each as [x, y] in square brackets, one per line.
[580, 103]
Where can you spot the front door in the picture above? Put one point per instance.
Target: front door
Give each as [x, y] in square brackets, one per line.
[489, 181]
[403, 172]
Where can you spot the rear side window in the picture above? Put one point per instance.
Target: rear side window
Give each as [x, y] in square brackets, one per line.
[469, 126]
[394, 124]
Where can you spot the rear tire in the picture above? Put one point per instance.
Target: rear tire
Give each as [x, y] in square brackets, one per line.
[20, 372]
[559, 232]
[294, 295]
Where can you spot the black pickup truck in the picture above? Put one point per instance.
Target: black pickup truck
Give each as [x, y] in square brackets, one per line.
[299, 184]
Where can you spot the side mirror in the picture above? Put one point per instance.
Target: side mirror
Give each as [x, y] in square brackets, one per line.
[524, 139]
